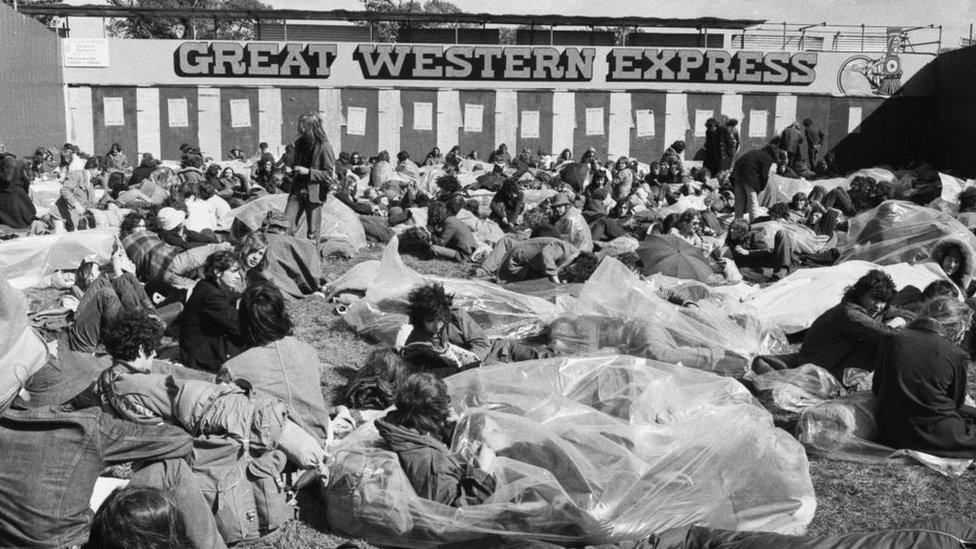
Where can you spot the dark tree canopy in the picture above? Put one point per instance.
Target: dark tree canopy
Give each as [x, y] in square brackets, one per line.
[387, 31]
[222, 28]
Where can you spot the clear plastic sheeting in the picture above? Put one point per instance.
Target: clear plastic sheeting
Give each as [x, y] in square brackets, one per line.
[792, 391]
[846, 429]
[782, 189]
[339, 222]
[26, 262]
[794, 302]
[500, 312]
[617, 312]
[587, 450]
[898, 231]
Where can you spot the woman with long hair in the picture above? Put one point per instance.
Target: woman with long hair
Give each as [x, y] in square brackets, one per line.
[314, 170]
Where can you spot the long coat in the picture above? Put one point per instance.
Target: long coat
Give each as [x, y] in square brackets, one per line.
[320, 160]
[920, 383]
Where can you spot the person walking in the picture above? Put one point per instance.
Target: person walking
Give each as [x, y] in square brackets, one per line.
[314, 169]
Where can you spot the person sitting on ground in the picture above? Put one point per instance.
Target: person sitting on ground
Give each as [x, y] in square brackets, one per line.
[381, 172]
[446, 337]
[867, 193]
[749, 250]
[171, 230]
[920, 382]
[967, 208]
[102, 296]
[671, 158]
[434, 158]
[508, 205]
[570, 224]
[237, 154]
[913, 300]
[77, 197]
[147, 165]
[407, 167]
[688, 227]
[491, 181]
[210, 330]
[513, 260]
[231, 187]
[623, 179]
[17, 210]
[419, 430]
[500, 156]
[158, 262]
[955, 258]
[450, 237]
[848, 334]
[276, 364]
[116, 159]
[263, 180]
[50, 506]
[374, 385]
[138, 517]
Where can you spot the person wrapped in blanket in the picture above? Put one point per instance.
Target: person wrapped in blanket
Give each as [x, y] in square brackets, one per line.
[239, 438]
[419, 431]
[446, 338]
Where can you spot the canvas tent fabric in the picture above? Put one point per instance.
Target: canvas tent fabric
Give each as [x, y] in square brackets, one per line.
[794, 302]
[587, 450]
[27, 262]
[618, 312]
[502, 313]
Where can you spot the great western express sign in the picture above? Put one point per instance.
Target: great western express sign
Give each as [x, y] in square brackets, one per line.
[495, 63]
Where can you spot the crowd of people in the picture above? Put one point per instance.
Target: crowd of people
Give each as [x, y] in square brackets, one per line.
[238, 408]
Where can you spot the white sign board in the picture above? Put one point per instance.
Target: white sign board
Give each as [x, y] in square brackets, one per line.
[758, 121]
[474, 116]
[356, 121]
[854, 115]
[178, 112]
[85, 52]
[700, 117]
[645, 123]
[114, 111]
[423, 116]
[594, 121]
[530, 125]
[240, 113]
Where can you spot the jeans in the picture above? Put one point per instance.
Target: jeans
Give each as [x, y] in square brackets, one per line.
[746, 199]
[300, 206]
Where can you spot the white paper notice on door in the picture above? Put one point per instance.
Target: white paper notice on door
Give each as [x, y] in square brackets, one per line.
[645, 122]
[854, 119]
[758, 120]
[114, 111]
[594, 121]
[530, 125]
[423, 116]
[474, 115]
[240, 113]
[178, 113]
[700, 117]
[356, 121]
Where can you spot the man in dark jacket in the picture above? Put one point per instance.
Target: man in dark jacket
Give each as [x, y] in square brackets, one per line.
[210, 329]
[749, 177]
[17, 210]
[790, 140]
[142, 172]
[814, 138]
[920, 383]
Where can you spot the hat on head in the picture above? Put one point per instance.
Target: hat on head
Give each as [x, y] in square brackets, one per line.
[22, 351]
[561, 199]
[61, 379]
[170, 218]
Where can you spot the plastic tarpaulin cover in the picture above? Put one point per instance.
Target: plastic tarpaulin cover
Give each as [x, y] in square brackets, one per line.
[782, 189]
[587, 450]
[846, 429]
[617, 312]
[805, 240]
[794, 302]
[339, 222]
[899, 231]
[25, 262]
[792, 391]
[381, 313]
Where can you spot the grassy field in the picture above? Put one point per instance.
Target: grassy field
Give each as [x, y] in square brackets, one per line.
[850, 496]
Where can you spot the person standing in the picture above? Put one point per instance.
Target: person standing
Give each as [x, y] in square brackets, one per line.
[790, 141]
[814, 137]
[314, 169]
[728, 137]
[733, 127]
[749, 177]
[713, 146]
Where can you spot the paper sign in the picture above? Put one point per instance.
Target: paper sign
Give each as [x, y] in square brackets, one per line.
[853, 120]
[240, 113]
[474, 115]
[594, 121]
[645, 123]
[423, 116]
[356, 121]
[114, 111]
[757, 123]
[700, 117]
[85, 52]
[530, 124]
[178, 116]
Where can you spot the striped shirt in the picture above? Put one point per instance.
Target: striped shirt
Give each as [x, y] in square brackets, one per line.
[151, 255]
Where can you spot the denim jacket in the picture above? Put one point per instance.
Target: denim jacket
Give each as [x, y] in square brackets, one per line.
[49, 459]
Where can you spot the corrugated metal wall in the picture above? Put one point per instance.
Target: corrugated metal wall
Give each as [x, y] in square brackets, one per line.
[31, 84]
